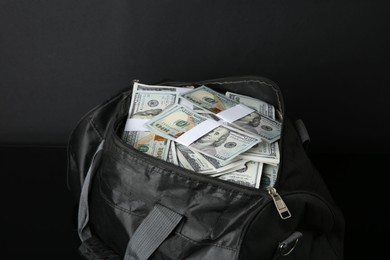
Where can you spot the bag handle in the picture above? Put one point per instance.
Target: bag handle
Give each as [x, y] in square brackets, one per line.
[152, 232]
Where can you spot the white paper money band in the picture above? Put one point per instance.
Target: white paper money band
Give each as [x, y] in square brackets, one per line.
[186, 103]
[197, 132]
[136, 124]
[232, 114]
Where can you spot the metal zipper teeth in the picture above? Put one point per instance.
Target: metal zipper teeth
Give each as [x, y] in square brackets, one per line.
[185, 172]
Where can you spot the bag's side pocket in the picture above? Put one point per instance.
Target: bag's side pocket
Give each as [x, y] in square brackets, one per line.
[307, 234]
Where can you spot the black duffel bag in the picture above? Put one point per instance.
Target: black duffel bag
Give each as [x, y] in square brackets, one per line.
[134, 206]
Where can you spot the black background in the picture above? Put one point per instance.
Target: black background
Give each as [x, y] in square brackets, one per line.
[59, 59]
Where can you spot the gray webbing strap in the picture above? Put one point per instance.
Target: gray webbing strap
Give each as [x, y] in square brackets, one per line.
[303, 133]
[83, 213]
[152, 232]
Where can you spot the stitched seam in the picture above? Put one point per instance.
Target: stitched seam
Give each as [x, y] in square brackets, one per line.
[95, 128]
[80, 177]
[69, 172]
[102, 181]
[113, 205]
[162, 170]
[202, 243]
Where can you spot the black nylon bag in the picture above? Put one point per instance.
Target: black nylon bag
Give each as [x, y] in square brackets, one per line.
[134, 206]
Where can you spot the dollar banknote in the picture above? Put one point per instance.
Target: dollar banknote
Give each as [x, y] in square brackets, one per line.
[229, 151]
[249, 176]
[230, 170]
[269, 175]
[221, 167]
[209, 99]
[222, 142]
[263, 152]
[160, 88]
[262, 107]
[180, 90]
[172, 157]
[145, 105]
[268, 129]
[204, 164]
[149, 143]
[192, 160]
[173, 153]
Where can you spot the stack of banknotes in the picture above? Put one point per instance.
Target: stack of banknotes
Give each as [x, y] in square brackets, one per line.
[223, 135]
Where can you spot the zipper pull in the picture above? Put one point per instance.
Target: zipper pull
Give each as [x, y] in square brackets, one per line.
[288, 245]
[279, 203]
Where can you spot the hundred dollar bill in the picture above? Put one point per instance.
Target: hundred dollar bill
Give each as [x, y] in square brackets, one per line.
[222, 142]
[221, 167]
[269, 175]
[260, 106]
[265, 149]
[149, 143]
[249, 176]
[209, 99]
[172, 158]
[263, 152]
[268, 129]
[144, 87]
[181, 90]
[192, 160]
[169, 156]
[204, 164]
[227, 171]
[145, 105]
[261, 159]
[173, 153]
[202, 111]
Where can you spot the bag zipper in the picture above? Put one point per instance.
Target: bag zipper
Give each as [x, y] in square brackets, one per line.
[288, 194]
[270, 193]
[185, 172]
[281, 207]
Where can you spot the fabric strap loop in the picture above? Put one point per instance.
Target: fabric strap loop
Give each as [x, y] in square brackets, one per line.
[152, 232]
